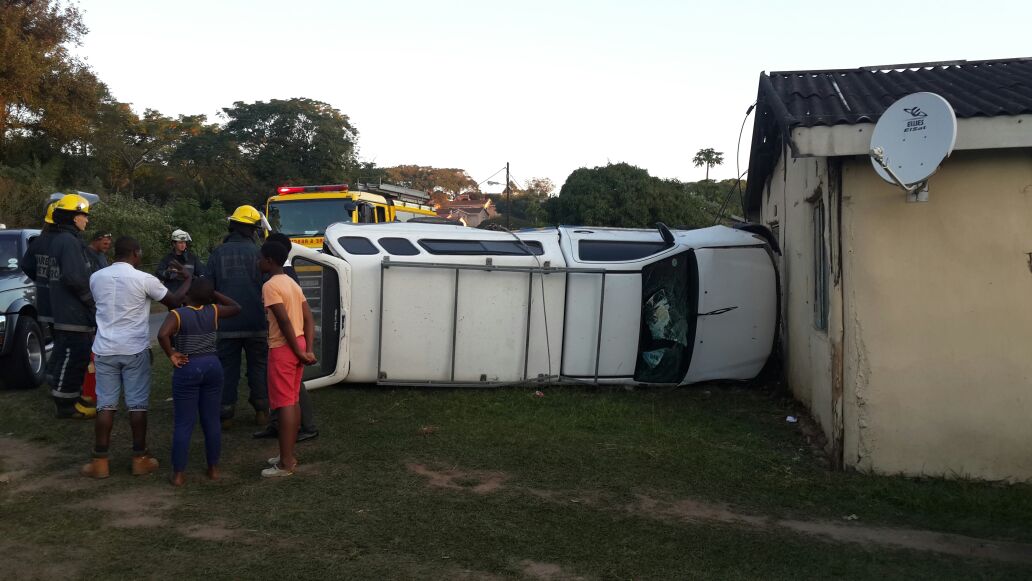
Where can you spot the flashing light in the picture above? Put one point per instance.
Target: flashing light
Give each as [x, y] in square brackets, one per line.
[282, 190]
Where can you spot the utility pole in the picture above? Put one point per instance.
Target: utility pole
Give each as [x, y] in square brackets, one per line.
[508, 199]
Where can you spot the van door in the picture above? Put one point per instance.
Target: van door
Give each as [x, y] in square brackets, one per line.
[326, 283]
[737, 313]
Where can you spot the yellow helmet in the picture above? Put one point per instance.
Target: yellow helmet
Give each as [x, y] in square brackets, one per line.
[49, 218]
[73, 203]
[246, 215]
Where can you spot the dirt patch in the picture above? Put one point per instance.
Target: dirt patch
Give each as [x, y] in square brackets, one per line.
[477, 481]
[917, 540]
[547, 572]
[19, 458]
[694, 510]
[67, 480]
[215, 531]
[139, 508]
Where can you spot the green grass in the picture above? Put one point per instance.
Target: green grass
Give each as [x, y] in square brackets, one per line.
[573, 462]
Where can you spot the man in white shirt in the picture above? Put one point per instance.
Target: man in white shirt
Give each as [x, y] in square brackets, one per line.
[122, 349]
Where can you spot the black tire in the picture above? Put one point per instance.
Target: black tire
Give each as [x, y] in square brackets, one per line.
[25, 366]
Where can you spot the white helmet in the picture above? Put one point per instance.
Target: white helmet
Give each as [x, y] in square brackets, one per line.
[181, 236]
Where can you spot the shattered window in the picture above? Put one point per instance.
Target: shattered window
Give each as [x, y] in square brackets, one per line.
[667, 320]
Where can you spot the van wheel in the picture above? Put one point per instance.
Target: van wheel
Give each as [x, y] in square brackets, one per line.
[27, 360]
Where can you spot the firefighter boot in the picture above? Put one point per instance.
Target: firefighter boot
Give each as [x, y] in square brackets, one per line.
[86, 408]
[96, 468]
[144, 464]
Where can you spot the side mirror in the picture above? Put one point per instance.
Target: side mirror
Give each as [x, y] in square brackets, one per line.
[668, 236]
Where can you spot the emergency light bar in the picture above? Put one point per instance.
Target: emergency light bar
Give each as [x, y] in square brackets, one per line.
[310, 189]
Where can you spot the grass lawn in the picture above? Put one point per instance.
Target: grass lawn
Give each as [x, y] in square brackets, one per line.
[705, 482]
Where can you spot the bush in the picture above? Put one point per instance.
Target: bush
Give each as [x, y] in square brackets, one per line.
[123, 215]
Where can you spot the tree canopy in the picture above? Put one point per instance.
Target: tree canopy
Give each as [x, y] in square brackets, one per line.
[708, 157]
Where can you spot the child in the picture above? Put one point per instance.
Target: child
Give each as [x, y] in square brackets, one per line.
[197, 379]
[291, 332]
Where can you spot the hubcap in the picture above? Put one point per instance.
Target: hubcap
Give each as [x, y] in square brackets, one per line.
[34, 352]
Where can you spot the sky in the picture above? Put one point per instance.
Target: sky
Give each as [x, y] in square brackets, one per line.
[548, 86]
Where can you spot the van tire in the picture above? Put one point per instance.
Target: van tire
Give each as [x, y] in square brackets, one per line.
[25, 366]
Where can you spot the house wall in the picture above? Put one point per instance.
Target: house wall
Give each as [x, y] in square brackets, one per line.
[938, 371]
[809, 352]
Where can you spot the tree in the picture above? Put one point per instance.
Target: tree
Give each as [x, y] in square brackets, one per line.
[708, 157]
[626, 196]
[44, 91]
[296, 141]
[440, 183]
[127, 142]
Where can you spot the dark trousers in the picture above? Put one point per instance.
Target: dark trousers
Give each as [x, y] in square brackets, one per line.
[307, 413]
[256, 349]
[67, 366]
[196, 389]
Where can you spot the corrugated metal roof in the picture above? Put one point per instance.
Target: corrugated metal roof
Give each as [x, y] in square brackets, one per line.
[973, 88]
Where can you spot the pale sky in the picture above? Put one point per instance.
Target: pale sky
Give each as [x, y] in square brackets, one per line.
[549, 86]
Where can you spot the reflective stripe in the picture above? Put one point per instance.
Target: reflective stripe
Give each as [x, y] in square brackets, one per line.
[76, 328]
[64, 367]
[63, 394]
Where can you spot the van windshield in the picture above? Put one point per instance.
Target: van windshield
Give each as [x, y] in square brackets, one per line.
[308, 217]
[8, 253]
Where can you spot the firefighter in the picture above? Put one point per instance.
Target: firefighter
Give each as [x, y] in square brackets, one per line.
[180, 253]
[69, 268]
[233, 267]
[35, 266]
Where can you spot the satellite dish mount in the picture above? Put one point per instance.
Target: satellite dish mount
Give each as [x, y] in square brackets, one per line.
[911, 140]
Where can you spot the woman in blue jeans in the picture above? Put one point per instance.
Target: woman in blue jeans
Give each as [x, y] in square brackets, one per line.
[188, 338]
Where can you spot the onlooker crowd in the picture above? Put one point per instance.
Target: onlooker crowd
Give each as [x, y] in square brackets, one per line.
[244, 302]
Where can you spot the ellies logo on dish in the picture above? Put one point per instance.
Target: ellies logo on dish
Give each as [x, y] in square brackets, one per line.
[916, 112]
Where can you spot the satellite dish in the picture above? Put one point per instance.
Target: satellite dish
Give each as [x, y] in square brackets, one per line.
[912, 138]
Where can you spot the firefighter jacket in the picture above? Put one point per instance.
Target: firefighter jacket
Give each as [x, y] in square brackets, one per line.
[233, 267]
[35, 265]
[170, 279]
[69, 269]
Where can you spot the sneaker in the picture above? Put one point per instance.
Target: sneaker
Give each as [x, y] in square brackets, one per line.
[275, 460]
[276, 471]
[305, 435]
[268, 431]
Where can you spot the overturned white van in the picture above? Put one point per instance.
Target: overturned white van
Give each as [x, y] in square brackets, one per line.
[430, 304]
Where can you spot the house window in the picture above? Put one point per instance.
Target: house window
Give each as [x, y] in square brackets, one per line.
[820, 269]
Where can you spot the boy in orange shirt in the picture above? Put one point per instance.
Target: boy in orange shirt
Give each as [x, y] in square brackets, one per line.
[287, 311]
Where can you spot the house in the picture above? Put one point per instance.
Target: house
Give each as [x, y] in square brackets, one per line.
[906, 327]
[468, 211]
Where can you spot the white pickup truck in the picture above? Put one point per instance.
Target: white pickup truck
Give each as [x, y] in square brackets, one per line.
[430, 304]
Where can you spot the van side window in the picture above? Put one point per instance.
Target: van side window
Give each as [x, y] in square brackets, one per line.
[357, 245]
[617, 251]
[483, 247]
[398, 246]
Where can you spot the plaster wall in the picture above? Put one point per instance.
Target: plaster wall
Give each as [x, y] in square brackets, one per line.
[938, 324]
[809, 352]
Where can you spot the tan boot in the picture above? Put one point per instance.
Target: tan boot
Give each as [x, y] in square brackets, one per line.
[96, 468]
[144, 464]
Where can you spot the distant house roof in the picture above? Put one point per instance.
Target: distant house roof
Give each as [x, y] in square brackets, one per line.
[973, 88]
[790, 99]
